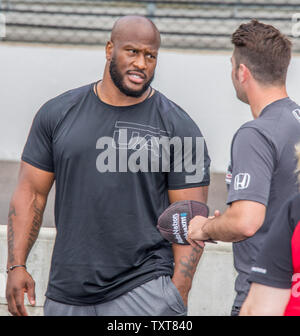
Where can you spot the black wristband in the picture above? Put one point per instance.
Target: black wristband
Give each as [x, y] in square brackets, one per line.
[14, 266]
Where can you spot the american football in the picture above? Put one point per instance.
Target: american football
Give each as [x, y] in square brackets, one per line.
[173, 222]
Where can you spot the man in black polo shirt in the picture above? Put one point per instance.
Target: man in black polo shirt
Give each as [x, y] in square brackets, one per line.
[261, 174]
[106, 147]
[275, 276]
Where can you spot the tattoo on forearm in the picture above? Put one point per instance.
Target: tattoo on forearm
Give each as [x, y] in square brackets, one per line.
[189, 263]
[10, 234]
[36, 224]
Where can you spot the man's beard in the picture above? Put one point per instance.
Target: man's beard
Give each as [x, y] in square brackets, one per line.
[117, 78]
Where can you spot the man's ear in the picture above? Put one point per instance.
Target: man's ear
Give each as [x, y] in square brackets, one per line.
[243, 73]
[109, 50]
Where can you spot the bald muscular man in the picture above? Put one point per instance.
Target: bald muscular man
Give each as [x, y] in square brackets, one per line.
[97, 143]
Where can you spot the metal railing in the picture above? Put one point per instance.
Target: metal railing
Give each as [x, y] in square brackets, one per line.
[183, 24]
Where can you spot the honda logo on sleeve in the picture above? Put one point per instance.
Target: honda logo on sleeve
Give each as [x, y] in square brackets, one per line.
[241, 181]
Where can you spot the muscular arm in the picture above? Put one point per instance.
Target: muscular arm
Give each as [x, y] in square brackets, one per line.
[265, 301]
[186, 257]
[24, 221]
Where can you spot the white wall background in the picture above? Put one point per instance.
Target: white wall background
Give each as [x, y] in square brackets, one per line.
[199, 82]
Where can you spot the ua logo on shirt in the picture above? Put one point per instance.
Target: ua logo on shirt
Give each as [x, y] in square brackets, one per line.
[241, 181]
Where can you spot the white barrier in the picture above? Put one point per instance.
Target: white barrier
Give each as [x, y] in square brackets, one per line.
[212, 292]
[38, 265]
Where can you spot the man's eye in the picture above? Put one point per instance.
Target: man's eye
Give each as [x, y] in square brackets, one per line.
[151, 56]
[133, 51]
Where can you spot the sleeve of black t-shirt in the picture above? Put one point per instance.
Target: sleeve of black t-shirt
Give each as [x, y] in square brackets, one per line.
[274, 266]
[253, 158]
[194, 155]
[38, 147]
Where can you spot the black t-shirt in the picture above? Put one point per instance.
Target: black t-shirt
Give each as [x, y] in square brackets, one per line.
[278, 263]
[110, 189]
[279, 257]
[262, 169]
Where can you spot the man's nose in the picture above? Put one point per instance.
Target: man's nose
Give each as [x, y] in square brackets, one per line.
[140, 62]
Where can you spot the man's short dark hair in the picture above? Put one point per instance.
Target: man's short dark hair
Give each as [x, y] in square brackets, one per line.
[264, 50]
